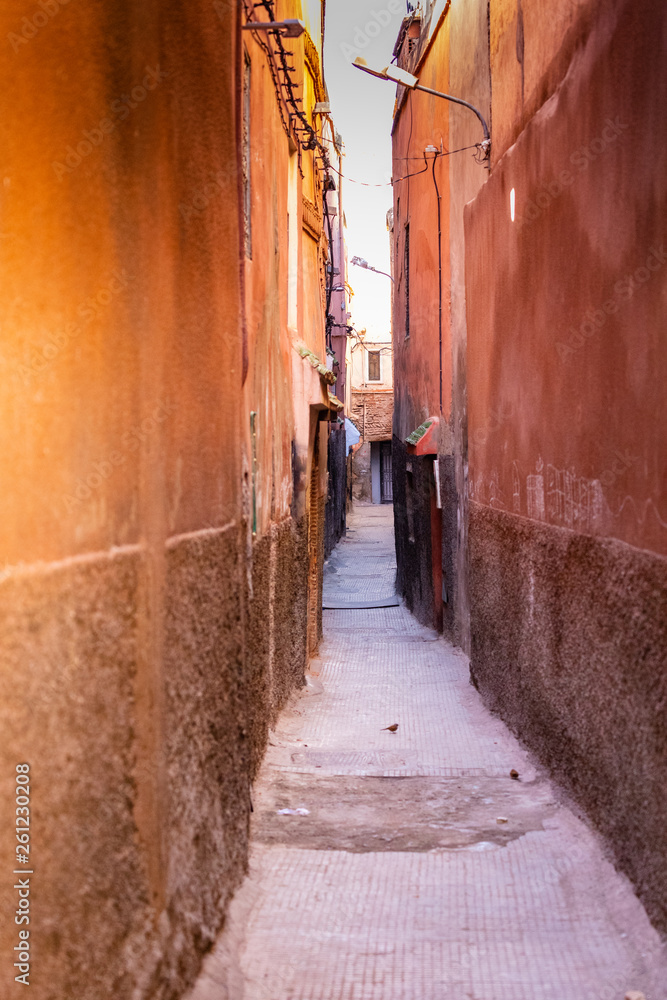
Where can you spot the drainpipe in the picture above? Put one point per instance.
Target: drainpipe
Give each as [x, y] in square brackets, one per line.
[432, 149]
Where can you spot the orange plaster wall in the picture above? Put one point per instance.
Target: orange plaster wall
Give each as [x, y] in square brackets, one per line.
[281, 402]
[268, 386]
[121, 359]
[124, 428]
[120, 331]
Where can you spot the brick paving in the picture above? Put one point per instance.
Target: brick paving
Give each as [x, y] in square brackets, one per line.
[503, 894]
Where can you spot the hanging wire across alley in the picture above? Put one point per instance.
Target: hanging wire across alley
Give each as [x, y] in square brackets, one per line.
[395, 180]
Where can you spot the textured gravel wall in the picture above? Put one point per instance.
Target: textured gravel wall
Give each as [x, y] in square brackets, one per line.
[568, 641]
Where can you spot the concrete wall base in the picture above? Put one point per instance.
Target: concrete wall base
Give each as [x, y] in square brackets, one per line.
[568, 640]
[139, 687]
[277, 613]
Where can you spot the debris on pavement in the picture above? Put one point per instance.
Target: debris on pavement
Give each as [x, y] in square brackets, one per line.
[313, 685]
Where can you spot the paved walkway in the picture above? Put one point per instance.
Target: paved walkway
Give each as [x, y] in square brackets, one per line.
[412, 866]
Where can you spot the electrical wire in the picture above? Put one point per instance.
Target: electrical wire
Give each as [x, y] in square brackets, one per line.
[396, 180]
[263, 44]
[407, 214]
[374, 349]
[365, 346]
[416, 173]
[313, 138]
[444, 152]
[351, 180]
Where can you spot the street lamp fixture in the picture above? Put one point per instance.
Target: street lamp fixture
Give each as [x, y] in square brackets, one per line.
[360, 262]
[398, 75]
[290, 28]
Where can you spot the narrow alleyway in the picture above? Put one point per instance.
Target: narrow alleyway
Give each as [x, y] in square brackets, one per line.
[418, 869]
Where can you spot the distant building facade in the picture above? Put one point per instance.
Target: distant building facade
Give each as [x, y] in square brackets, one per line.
[371, 405]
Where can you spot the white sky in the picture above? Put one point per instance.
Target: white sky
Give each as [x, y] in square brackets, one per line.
[362, 111]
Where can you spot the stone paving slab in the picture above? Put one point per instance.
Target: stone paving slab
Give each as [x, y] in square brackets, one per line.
[492, 925]
[443, 726]
[364, 597]
[385, 623]
[351, 813]
[418, 868]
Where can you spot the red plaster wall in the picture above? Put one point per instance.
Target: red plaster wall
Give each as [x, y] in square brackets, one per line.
[531, 43]
[423, 121]
[469, 78]
[566, 304]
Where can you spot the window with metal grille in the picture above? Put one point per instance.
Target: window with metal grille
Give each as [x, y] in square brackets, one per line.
[373, 366]
[406, 277]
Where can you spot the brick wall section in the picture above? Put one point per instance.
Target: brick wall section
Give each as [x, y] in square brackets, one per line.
[379, 413]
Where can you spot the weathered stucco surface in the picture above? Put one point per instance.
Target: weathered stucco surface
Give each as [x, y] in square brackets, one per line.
[567, 423]
[558, 372]
[568, 640]
[69, 653]
[276, 627]
[148, 636]
[531, 44]
[121, 648]
[361, 474]
[422, 121]
[470, 78]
